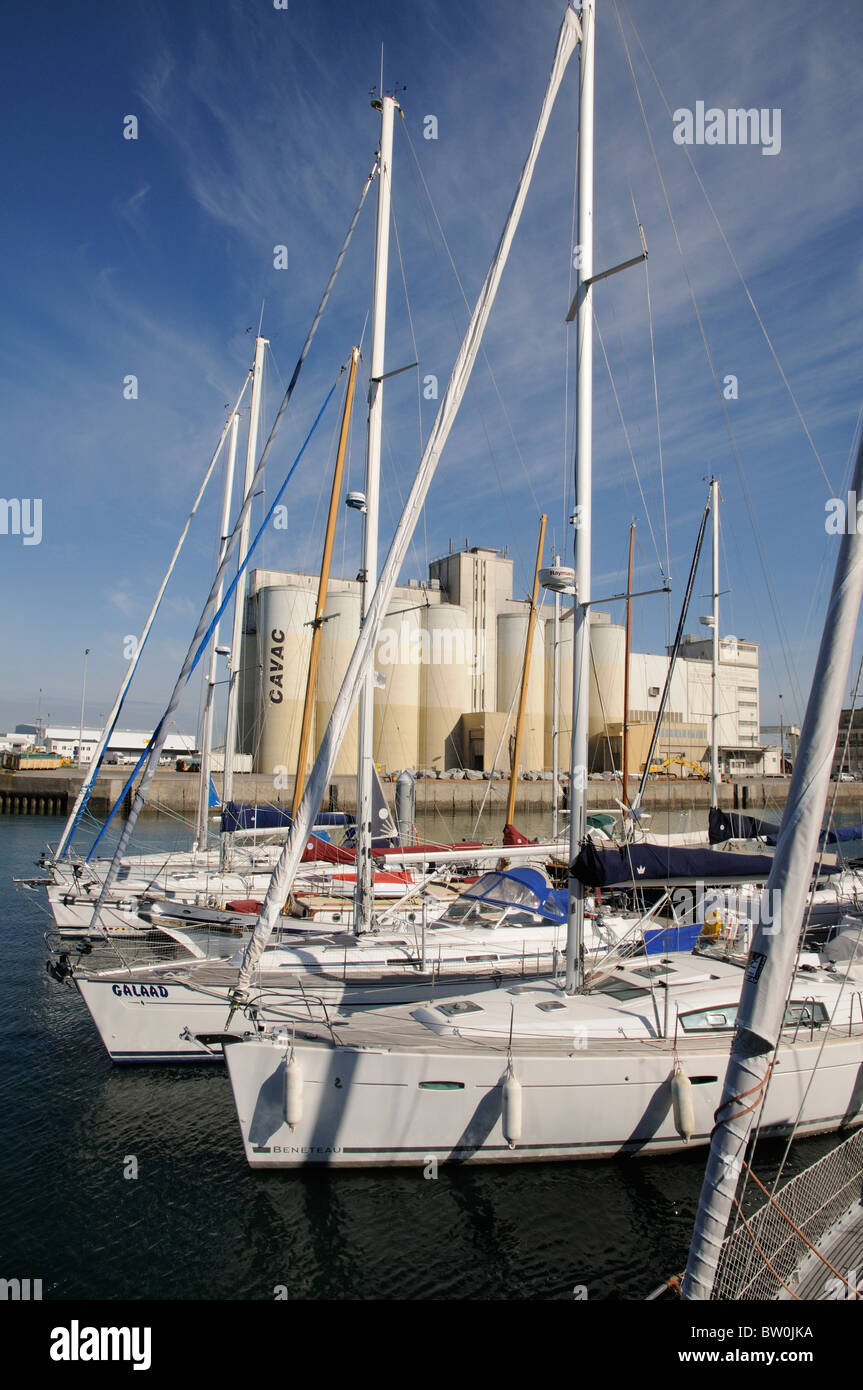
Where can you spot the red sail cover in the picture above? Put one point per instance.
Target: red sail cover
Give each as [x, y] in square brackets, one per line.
[511, 836]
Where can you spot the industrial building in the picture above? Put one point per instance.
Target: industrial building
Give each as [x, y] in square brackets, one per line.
[447, 674]
[79, 745]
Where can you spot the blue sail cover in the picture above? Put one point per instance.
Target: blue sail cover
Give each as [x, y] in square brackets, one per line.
[631, 865]
[239, 816]
[732, 825]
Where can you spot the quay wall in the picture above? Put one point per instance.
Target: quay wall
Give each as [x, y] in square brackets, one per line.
[53, 793]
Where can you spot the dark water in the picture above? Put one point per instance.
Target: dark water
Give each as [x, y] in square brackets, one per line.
[196, 1223]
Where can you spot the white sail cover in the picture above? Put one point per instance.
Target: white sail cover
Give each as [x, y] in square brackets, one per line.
[283, 875]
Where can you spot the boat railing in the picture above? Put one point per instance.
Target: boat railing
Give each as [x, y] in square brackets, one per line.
[761, 1258]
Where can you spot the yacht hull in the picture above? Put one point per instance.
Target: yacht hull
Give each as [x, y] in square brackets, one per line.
[376, 1108]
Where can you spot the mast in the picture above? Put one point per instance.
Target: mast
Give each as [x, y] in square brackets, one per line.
[625, 739]
[209, 701]
[363, 654]
[774, 948]
[525, 677]
[583, 488]
[232, 717]
[714, 680]
[363, 905]
[675, 650]
[323, 584]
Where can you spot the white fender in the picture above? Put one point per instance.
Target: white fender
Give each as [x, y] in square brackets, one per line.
[511, 1109]
[293, 1098]
[684, 1106]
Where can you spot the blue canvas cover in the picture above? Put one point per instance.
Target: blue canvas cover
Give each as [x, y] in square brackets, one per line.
[631, 865]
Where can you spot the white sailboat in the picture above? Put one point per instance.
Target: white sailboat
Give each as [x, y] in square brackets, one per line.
[630, 1060]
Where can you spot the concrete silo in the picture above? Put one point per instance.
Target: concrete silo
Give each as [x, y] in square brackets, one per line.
[445, 685]
[284, 640]
[511, 639]
[398, 661]
[608, 652]
[339, 637]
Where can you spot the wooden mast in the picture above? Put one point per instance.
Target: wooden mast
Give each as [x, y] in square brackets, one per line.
[525, 674]
[323, 584]
[625, 738]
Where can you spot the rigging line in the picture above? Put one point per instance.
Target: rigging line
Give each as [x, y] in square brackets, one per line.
[818, 586]
[493, 769]
[732, 257]
[482, 348]
[325, 483]
[786, 648]
[416, 359]
[628, 444]
[193, 656]
[658, 431]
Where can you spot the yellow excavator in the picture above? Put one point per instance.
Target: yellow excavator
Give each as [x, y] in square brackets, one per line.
[664, 769]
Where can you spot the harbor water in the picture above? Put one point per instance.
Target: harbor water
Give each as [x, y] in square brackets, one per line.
[131, 1183]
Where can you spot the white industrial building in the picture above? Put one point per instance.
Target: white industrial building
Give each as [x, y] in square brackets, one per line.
[79, 745]
[448, 668]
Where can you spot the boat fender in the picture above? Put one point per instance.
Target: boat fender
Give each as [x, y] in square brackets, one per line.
[293, 1083]
[511, 1108]
[681, 1099]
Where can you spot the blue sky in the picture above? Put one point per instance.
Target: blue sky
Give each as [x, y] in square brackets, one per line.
[154, 257]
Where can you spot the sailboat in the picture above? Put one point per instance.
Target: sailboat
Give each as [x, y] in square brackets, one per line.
[629, 1059]
[145, 1015]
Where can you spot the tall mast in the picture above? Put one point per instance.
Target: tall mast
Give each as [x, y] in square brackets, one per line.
[714, 681]
[232, 720]
[363, 654]
[323, 584]
[583, 486]
[369, 573]
[772, 958]
[625, 736]
[525, 677]
[209, 701]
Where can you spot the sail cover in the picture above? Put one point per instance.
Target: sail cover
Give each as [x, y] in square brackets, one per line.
[239, 816]
[657, 865]
[731, 825]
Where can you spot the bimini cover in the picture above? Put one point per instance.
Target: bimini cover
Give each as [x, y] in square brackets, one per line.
[524, 888]
[627, 865]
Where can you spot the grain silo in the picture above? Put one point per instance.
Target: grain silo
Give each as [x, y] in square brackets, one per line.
[511, 641]
[339, 637]
[284, 616]
[398, 660]
[445, 685]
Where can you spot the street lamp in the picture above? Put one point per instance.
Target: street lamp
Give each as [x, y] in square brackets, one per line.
[81, 723]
